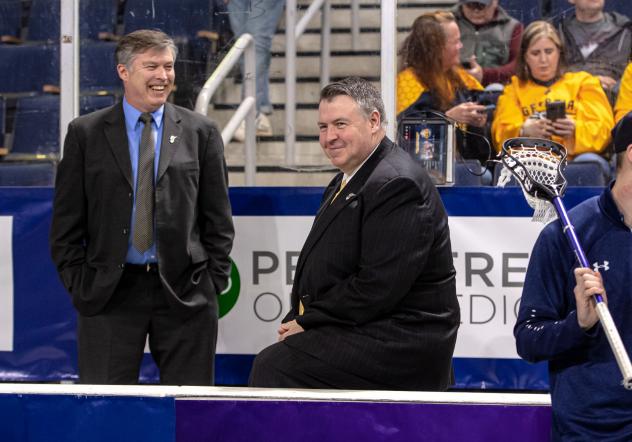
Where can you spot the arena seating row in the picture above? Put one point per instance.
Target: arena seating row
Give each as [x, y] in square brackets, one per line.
[32, 160]
[577, 173]
[2, 125]
[528, 11]
[36, 126]
[29, 58]
[98, 18]
[28, 68]
[42, 173]
[559, 8]
[27, 173]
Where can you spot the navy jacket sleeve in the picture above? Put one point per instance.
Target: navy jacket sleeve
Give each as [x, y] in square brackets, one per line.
[547, 327]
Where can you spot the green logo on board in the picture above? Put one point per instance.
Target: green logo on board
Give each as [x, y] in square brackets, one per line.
[228, 298]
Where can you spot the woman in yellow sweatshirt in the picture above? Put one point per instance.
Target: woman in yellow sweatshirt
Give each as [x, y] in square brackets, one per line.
[540, 79]
[432, 80]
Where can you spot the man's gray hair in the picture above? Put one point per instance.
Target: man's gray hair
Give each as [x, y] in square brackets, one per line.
[141, 41]
[363, 92]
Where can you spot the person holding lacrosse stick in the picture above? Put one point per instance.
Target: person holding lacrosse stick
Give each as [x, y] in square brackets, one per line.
[563, 317]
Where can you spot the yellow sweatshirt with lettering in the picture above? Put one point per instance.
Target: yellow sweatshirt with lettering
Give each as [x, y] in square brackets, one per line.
[624, 99]
[586, 104]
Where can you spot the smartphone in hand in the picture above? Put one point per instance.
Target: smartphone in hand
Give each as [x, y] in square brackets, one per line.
[488, 108]
[556, 110]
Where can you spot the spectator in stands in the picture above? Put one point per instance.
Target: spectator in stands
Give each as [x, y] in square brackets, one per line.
[583, 124]
[432, 81]
[557, 321]
[624, 99]
[491, 40]
[597, 42]
[259, 19]
[142, 227]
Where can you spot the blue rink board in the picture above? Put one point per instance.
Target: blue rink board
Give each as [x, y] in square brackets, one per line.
[44, 343]
[59, 418]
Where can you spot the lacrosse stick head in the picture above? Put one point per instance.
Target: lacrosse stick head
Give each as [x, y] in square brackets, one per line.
[537, 165]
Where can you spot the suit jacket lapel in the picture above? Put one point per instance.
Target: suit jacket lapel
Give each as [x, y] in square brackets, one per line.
[116, 135]
[171, 135]
[328, 211]
[328, 194]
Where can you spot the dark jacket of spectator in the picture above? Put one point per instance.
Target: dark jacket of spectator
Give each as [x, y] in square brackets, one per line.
[612, 54]
[495, 44]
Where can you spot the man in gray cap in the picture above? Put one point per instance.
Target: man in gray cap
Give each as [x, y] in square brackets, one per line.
[491, 40]
[558, 323]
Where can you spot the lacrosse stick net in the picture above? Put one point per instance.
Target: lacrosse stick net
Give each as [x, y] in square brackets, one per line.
[537, 165]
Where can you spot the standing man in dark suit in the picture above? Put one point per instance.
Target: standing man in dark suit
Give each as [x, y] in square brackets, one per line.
[142, 226]
[374, 303]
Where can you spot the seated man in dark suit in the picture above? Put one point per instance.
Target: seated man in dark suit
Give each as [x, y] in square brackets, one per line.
[373, 304]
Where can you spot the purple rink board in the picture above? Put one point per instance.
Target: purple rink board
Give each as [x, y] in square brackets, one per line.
[307, 421]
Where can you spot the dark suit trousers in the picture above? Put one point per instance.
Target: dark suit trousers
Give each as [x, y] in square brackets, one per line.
[282, 366]
[111, 343]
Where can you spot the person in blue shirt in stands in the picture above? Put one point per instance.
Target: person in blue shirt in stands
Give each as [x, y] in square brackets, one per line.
[558, 323]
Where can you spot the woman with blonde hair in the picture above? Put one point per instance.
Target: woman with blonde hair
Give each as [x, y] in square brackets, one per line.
[432, 80]
[543, 101]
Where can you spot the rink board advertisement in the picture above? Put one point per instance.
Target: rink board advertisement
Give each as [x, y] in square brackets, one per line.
[492, 236]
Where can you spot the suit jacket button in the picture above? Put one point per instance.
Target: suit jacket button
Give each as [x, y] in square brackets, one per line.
[121, 266]
[125, 231]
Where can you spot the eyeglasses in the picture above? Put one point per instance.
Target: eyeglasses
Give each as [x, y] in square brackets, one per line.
[475, 5]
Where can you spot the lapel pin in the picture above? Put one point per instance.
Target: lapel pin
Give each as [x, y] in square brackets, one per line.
[172, 138]
[351, 195]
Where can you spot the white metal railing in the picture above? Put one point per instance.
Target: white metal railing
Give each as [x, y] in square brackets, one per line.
[355, 25]
[388, 61]
[69, 67]
[293, 31]
[246, 110]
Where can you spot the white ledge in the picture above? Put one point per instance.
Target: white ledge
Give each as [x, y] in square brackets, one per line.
[242, 393]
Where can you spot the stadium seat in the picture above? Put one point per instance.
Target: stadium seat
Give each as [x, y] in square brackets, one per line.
[181, 19]
[524, 11]
[3, 125]
[37, 123]
[27, 173]
[584, 173]
[10, 20]
[96, 17]
[98, 71]
[464, 173]
[43, 22]
[561, 8]
[27, 68]
[36, 128]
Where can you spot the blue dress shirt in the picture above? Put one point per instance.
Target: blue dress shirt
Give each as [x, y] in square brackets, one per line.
[134, 128]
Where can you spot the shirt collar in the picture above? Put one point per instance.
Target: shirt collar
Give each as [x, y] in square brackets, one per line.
[347, 178]
[132, 115]
[609, 206]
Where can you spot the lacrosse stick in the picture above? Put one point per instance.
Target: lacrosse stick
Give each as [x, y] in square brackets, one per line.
[537, 166]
